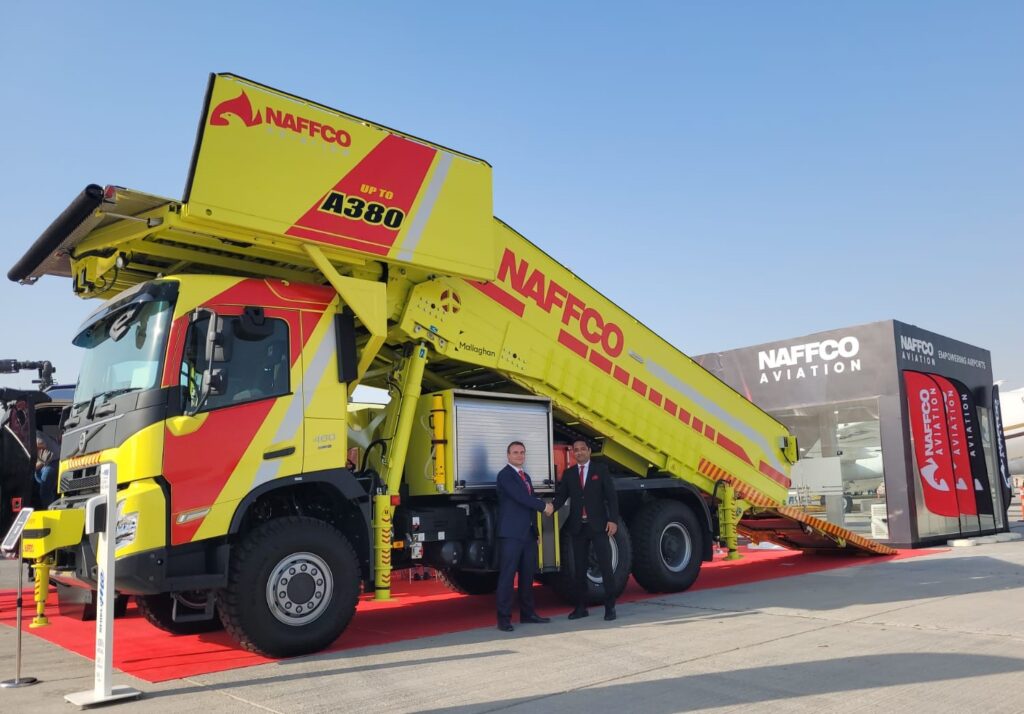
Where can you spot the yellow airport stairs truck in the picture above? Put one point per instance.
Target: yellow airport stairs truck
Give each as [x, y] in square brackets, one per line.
[313, 252]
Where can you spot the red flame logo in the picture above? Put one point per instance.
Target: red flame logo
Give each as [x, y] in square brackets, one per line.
[239, 107]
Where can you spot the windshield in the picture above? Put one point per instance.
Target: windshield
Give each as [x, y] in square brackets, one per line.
[125, 349]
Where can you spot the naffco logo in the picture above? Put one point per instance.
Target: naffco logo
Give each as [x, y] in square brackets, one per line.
[917, 350]
[933, 440]
[811, 359]
[241, 108]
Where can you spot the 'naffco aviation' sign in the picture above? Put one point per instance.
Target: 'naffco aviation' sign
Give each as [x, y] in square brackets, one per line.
[812, 359]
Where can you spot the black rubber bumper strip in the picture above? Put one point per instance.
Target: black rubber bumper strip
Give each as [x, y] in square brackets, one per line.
[81, 208]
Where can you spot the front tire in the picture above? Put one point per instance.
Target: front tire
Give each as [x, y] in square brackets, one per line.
[293, 585]
[563, 583]
[669, 543]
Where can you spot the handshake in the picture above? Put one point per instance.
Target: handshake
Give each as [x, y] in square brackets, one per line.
[548, 509]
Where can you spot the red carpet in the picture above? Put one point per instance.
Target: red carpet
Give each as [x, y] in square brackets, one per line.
[421, 609]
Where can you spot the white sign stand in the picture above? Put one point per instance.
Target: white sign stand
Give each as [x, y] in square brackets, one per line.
[102, 691]
[12, 544]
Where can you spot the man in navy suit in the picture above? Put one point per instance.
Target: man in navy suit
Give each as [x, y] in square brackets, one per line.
[517, 538]
[593, 519]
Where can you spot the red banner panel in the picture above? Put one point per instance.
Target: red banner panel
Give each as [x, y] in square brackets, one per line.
[931, 447]
[958, 451]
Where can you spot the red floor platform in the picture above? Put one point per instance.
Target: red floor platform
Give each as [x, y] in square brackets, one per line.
[419, 609]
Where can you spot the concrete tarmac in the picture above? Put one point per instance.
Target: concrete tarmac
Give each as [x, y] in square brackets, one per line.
[938, 633]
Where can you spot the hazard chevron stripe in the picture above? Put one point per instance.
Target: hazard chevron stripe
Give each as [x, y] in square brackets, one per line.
[836, 531]
[754, 498]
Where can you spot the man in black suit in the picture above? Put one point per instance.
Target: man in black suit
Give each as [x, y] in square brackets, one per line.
[517, 538]
[593, 518]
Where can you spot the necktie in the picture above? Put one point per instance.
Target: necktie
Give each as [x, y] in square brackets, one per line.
[522, 475]
[583, 483]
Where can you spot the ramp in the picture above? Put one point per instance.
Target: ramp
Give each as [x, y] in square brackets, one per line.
[790, 527]
[794, 529]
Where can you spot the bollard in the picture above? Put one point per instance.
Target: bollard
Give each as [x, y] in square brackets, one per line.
[42, 589]
[18, 680]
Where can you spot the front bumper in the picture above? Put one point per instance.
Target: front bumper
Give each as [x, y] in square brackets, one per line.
[145, 563]
[193, 566]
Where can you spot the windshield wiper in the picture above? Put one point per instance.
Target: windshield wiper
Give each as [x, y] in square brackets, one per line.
[106, 407]
[111, 393]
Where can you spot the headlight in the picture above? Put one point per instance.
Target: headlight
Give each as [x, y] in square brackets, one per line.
[127, 526]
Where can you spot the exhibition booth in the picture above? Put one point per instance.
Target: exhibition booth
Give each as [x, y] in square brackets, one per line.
[896, 428]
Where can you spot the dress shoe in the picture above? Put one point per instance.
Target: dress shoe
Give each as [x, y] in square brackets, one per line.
[535, 618]
[505, 627]
[577, 614]
[609, 613]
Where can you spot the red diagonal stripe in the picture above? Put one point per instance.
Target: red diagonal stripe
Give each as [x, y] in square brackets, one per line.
[400, 165]
[572, 343]
[517, 307]
[601, 361]
[195, 479]
[732, 447]
[774, 475]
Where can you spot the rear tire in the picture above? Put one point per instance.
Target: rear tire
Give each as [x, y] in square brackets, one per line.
[293, 584]
[469, 582]
[669, 544]
[159, 610]
[563, 582]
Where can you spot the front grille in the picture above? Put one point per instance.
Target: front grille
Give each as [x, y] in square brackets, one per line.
[87, 479]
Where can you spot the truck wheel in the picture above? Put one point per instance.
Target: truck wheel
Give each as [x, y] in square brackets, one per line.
[293, 584]
[563, 582]
[669, 547]
[469, 582]
[159, 611]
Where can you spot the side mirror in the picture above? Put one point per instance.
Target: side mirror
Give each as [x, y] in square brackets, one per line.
[218, 381]
[222, 342]
[205, 321]
[215, 348]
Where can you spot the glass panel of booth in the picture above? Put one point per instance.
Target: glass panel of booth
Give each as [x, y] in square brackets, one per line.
[984, 418]
[839, 476]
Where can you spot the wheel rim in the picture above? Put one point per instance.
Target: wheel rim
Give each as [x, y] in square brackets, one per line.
[299, 589]
[594, 568]
[676, 548]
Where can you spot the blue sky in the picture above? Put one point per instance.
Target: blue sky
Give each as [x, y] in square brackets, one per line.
[729, 173]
